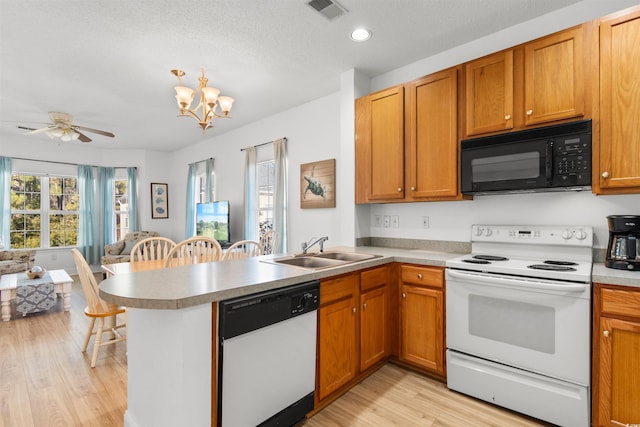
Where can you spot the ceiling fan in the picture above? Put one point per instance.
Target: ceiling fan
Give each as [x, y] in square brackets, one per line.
[61, 126]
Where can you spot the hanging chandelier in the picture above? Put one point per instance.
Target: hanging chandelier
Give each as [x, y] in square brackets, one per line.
[208, 104]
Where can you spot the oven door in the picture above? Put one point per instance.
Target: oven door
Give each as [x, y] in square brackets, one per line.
[514, 166]
[535, 324]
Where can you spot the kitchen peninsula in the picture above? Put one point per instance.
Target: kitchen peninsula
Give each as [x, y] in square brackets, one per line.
[171, 322]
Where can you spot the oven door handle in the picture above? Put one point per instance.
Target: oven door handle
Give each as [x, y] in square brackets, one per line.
[524, 283]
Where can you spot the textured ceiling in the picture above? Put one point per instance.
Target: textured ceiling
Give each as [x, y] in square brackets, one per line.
[107, 62]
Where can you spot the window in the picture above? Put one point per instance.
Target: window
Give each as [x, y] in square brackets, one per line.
[201, 181]
[121, 207]
[266, 178]
[44, 211]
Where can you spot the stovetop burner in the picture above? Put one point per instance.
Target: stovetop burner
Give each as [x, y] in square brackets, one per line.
[476, 261]
[490, 258]
[551, 267]
[554, 262]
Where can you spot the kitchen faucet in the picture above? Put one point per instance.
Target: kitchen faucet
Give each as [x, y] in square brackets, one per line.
[306, 246]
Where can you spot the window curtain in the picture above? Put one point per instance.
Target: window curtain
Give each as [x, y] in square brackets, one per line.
[280, 197]
[105, 192]
[191, 205]
[207, 180]
[250, 195]
[132, 189]
[5, 199]
[87, 243]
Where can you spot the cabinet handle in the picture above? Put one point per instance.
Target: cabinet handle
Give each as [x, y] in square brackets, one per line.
[605, 174]
[605, 333]
[399, 189]
[507, 117]
[353, 309]
[419, 275]
[413, 188]
[404, 295]
[529, 112]
[364, 305]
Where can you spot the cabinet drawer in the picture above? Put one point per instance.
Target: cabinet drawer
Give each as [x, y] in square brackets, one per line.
[335, 289]
[373, 278]
[426, 276]
[623, 303]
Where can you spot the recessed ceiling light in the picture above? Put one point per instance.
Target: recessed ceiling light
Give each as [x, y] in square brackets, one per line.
[360, 35]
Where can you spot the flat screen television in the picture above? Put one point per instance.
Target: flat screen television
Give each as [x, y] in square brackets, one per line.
[212, 220]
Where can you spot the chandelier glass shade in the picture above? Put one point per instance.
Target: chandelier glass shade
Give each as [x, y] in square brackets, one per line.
[210, 104]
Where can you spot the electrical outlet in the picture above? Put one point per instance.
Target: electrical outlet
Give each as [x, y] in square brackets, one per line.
[425, 222]
[395, 221]
[378, 221]
[386, 221]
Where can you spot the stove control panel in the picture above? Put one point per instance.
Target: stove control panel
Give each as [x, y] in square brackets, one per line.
[542, 235]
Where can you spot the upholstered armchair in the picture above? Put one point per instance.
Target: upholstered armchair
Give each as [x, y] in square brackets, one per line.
[120, 251]
[16, 261]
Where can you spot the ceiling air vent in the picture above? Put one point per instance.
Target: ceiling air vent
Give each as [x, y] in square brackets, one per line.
[327, 8]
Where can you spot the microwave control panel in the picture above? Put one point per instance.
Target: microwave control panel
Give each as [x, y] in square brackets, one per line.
[571, 161]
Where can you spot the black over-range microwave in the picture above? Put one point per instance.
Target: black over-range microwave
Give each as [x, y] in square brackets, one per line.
[550, 158]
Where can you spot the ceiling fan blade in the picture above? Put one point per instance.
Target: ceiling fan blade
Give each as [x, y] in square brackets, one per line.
[36, 131]
[82, 137]
[99, 132]
[25, 128]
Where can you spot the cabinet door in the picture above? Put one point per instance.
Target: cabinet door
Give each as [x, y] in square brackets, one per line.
[620, 102]
[337, 362]
[553, 77]
[489, 93]
[432, 125]
[619, 382]
[387, 145]
[422, 327]
[374, 340]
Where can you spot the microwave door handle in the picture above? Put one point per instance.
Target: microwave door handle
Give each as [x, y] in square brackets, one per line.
[632, 250]
[517, 283]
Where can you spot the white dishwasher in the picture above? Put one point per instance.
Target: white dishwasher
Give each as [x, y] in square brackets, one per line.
[267, 356]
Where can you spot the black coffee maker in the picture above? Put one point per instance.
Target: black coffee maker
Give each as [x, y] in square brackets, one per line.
[623, 251]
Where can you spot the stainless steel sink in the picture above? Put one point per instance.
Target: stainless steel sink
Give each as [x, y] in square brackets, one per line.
[321, 260]
[308, 262]
[345, 256]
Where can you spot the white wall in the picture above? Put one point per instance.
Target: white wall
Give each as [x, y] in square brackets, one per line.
[313, 134]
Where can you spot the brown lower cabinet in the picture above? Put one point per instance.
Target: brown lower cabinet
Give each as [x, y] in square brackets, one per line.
[616, 356]
[422, 318]
[353, 330]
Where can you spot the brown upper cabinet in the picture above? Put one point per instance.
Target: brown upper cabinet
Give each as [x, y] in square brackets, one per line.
[380, 146]
[406, 141]
[616, 166]
[532, 84]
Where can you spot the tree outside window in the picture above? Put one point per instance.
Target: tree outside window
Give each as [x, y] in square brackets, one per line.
[266, 179]
[52, 198]
[121, 207]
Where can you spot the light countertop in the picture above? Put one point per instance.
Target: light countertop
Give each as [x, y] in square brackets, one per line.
[181, 287]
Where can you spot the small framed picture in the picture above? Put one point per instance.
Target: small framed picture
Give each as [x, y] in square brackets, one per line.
[318, 184]
[159, 200]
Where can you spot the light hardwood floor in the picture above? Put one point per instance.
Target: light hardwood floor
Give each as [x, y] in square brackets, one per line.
[45, 380]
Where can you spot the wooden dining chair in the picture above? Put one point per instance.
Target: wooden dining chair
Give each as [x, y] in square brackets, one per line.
[193, 251]
[152, 248]
[242, 249]
[97, 309]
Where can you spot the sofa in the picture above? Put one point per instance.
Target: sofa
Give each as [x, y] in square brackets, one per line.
[16, 261]
[120, 251]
